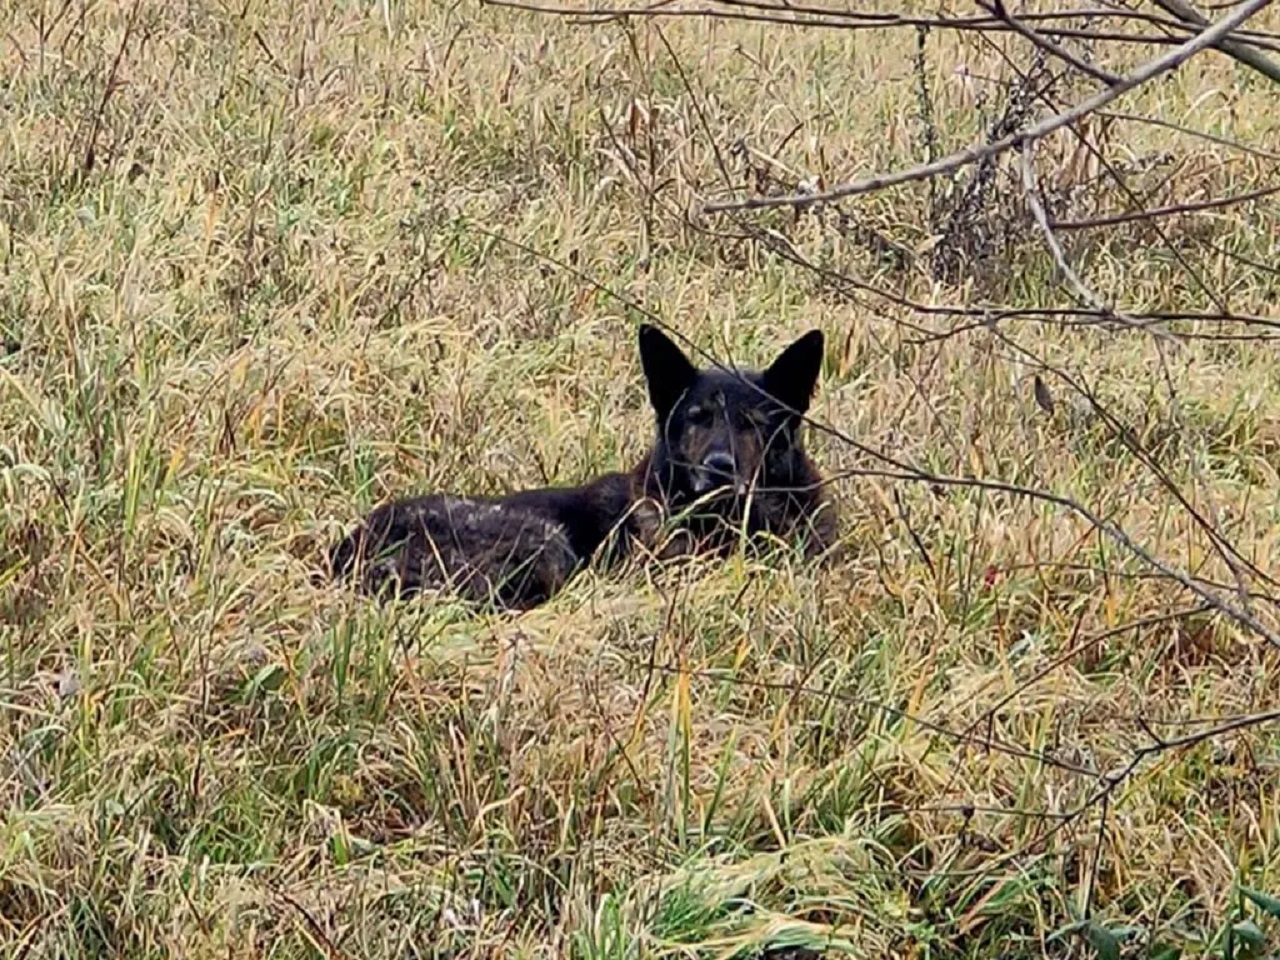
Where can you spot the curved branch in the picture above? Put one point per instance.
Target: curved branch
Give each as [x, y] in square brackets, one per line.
[1149, 71]
[1250, 57]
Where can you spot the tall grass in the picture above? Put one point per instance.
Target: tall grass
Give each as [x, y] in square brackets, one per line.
[252, 282]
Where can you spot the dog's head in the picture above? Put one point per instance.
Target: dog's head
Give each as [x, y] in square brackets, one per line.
[724, 432]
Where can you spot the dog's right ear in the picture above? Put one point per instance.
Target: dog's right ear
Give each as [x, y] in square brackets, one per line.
[666, 369]
[792, 377]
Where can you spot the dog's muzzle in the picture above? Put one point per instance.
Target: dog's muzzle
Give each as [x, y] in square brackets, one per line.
[717, 470]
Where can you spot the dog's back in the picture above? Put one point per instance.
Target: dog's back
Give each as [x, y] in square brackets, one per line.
[514, 551]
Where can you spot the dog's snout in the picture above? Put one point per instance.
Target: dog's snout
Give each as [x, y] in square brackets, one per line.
[719, 463]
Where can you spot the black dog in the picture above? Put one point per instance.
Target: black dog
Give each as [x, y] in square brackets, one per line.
[728, 459]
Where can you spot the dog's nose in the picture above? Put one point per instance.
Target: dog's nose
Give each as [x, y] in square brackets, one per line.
[719, 464]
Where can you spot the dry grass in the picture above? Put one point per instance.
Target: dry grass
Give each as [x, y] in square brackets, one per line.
[271, 301]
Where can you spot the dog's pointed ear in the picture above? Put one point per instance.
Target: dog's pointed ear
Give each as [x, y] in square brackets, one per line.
[792, 377]
[666, 369]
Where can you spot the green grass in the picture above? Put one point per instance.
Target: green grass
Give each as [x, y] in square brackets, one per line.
[281, 293]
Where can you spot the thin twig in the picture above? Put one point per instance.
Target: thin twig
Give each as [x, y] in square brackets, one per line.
[108, 90]
[997, 8]
[984, 316]
[1192, 132]
[1171, 210]
[1125, 435]
[1086, 293]
[836, 19]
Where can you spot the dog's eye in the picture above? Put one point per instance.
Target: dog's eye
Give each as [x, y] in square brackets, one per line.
[699, 416]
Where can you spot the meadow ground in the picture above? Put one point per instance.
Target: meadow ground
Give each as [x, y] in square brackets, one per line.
[264, 265]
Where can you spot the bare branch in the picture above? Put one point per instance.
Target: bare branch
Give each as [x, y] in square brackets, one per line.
[1171, 210]
[1246, 55]
[797, 15]
[985, 316]
[1192, 132]
[997, 8]
[1154, 68]
[1032, 191]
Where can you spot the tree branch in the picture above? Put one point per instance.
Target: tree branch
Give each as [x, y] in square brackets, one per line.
[1154, 68]
[1239, 51]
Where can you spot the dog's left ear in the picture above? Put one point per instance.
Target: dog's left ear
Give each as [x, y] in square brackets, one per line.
[666, 369]
[792, 377]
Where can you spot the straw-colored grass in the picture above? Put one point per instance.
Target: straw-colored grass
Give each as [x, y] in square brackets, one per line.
[278, 295]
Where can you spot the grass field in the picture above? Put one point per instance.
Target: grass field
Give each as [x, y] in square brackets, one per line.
[265, 265]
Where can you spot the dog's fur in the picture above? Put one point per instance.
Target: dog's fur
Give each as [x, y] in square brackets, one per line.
[727, 459]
